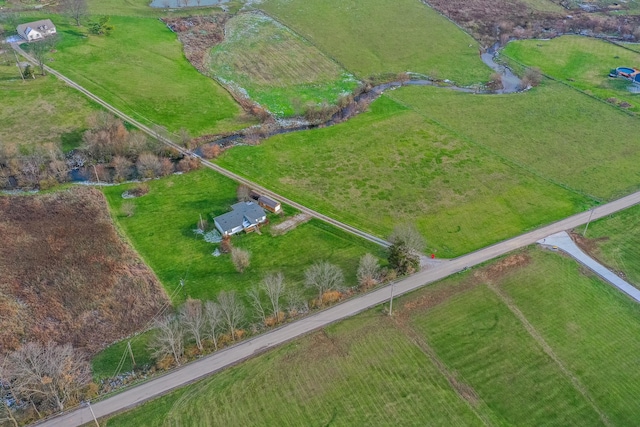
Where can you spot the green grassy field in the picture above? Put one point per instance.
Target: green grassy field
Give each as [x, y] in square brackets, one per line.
[616, 242]
[104, 364]
[161, 230]
[391, 166]
[553, 131]
[61, 111]
[368, 37]
[140, 69]
[581, 62]
[276, 67]
[454, 355]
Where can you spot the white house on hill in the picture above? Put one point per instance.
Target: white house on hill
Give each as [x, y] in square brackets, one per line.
[36, 30]
[244, 216]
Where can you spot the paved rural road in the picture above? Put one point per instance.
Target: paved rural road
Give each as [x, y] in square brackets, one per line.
[232, 355]
[563, 241]
[205, 162]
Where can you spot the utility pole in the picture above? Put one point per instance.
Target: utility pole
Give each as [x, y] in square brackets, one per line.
[133, 361]
[391, 299]
[93, 414]
[18, 64]
[587, 226]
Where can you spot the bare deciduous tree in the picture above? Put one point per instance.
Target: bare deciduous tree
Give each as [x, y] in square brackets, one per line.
[368, 271]
[255, 299]
[274, 287]
[215, 321]
[241, 259]
[244, 193]
[193, 320]
[52, 374]
[232, 311]
[149, 165]
[409, 236]
[121, 168]
[6, 413]
[323, 276]
[169, 339]
[41, 48]
[75, 9]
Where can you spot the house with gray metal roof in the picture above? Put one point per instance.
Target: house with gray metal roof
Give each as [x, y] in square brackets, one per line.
[36, 30]
[245, 216]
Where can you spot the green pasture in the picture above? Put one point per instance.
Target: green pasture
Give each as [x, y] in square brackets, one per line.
[369, 37]
[552, 131]
[491, 352]
[581, 62]
[276, 67]
[617, 242]
[161, 230]
[390, 166]
[591, 326]
[141, 70]
[104, 364]
[454, 354]
[39, 111]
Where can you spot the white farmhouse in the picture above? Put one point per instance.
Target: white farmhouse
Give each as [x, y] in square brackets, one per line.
[245, 216]
[36, 30]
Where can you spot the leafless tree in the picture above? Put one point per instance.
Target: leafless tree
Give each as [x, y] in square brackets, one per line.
[323, 276]
[185, 3]
[40, 50]
[255, 299]
[296, 302]
[241, 259]
[232, 311]
[75, 9]
[368, 271]
[121, 168]
[6, 413]
[49, 374]
[215, 320]
[244, 193]
[193, 320]
[168, 339]
[149, 165]
[185, 138]
[409, 236]
[274, 287]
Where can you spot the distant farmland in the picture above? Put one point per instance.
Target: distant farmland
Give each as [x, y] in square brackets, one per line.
[456, 353]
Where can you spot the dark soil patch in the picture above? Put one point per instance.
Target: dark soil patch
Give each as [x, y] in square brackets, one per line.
[67, 276]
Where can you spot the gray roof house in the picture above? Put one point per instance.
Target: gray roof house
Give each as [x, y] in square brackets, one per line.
[36, 30]
[244, 216]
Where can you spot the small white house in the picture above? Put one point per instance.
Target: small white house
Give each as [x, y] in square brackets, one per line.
[36, 30]
[244, 216]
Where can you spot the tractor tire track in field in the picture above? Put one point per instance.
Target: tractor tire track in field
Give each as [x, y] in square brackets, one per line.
[577, 384]
[464, 391]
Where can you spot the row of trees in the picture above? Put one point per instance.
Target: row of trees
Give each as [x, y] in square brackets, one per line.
[42, 379]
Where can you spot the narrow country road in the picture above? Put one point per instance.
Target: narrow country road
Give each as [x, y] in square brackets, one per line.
[563, 241]
[246, 349]
[205, 162]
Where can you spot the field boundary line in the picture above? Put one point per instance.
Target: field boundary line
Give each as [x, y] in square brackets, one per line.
[422, 344]
[531, 330]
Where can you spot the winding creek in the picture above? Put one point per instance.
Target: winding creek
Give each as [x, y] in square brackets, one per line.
[510, 84]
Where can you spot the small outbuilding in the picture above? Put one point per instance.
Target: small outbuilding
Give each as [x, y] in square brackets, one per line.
[36, 30]
[270, 204]
[245, 216]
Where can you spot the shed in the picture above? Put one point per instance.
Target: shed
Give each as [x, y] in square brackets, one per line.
[270, 204]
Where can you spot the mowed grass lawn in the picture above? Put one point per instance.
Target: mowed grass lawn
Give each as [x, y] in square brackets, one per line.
[161, 230]
[373, 37]
[61, 112]
[454, 354]
[390, 166]
[553, 131]
[277, 68]
[582, 62]
[141, 70]
[616, 242]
